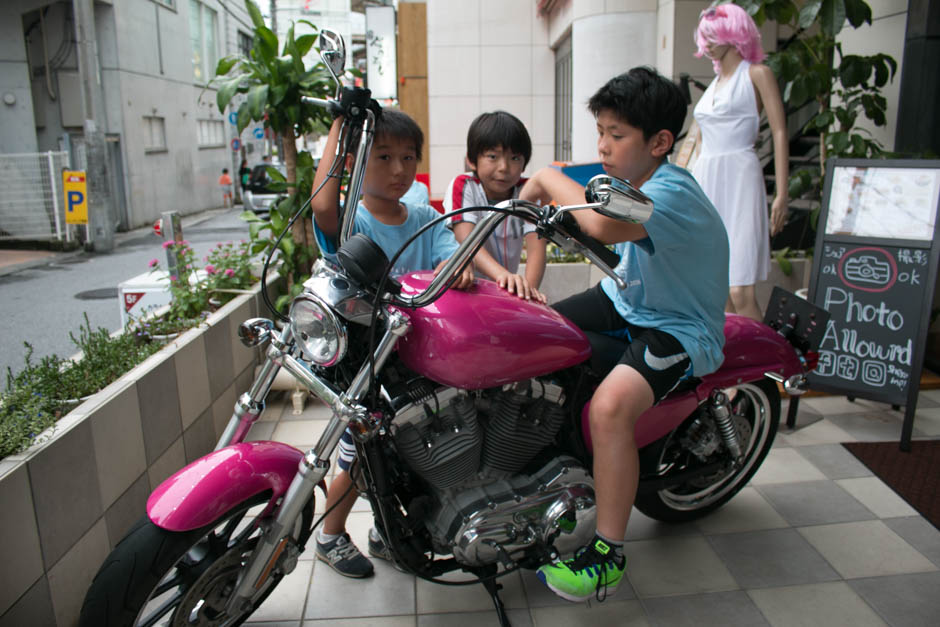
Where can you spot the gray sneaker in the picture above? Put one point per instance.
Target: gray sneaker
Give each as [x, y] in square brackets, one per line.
[378, 548]
[343, 557]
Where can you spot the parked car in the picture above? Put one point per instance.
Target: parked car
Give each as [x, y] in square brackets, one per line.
[257, 196]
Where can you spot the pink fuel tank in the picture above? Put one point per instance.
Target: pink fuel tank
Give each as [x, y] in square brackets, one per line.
[484, 337]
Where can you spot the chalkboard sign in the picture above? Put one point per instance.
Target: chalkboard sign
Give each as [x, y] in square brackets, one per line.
[874, 268]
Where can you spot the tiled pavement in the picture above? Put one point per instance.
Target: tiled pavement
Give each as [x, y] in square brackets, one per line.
[815, 539]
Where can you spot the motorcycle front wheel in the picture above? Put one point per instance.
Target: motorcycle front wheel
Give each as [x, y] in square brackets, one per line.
[159, 577]
[755, 410]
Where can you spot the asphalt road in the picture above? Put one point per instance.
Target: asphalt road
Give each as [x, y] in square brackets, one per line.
[42, 304]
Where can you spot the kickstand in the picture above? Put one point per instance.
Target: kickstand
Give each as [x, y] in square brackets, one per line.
[493, 588]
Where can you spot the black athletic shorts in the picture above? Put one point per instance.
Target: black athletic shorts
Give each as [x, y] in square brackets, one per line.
[656, 355]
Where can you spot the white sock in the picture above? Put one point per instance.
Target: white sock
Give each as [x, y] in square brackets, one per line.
[325, 538]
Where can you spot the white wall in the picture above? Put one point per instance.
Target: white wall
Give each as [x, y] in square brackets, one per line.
[485, 55]
[603, 45]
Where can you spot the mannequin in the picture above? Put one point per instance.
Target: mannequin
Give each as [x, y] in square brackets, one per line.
[728, 170]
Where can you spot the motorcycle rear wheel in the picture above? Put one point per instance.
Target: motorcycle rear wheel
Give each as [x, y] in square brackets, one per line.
[755, 408]
[159, 577]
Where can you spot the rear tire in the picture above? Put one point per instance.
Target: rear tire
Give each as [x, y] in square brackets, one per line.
[159, 577]
[755, 408]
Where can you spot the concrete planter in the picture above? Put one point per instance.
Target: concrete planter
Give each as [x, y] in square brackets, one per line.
[562, 280]
[68, 500]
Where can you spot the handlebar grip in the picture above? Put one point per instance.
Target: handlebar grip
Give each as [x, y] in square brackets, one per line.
[570, 224]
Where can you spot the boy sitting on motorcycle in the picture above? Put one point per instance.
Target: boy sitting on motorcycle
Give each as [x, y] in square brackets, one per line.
[389, 222]
[671, 315]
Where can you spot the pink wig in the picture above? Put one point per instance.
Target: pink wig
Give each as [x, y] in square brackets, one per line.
[729, 24]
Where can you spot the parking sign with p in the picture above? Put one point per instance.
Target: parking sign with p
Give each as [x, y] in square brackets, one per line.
[76, 197]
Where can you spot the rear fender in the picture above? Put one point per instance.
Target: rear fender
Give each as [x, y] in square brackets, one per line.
[210, 486]
[751, 350]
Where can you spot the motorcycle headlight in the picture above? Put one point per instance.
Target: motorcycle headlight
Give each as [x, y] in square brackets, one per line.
[317, 330]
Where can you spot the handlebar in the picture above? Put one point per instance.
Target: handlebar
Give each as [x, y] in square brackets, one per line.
[603, 254]
[552, 222]
[611, 197]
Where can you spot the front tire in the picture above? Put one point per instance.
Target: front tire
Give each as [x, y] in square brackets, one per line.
[159, 577]
[755, 409]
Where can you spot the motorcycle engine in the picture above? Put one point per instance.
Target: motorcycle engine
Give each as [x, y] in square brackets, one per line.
[472, 448]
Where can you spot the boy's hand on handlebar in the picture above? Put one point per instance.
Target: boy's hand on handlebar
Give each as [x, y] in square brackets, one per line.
[518, 285]
[463, 280]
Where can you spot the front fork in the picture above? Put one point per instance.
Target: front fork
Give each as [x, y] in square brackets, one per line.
[316, 463]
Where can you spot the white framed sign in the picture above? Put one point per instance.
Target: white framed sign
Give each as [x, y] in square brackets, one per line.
[381, 61]
[889, 202]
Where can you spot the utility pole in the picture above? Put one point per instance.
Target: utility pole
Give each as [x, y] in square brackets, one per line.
[100, 200]
[273, 10]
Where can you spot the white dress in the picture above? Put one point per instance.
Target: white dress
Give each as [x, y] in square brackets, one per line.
[730, 173]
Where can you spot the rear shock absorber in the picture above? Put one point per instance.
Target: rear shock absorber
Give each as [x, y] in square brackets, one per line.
[720, 410]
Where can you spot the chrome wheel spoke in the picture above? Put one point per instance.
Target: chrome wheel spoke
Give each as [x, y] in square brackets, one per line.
[165, 608]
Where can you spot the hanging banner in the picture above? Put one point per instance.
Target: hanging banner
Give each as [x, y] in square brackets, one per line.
[381, 66]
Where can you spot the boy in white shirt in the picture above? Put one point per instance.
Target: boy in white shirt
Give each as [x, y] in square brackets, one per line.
[498, 150]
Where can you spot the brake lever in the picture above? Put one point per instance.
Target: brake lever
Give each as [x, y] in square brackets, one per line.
[575, 241]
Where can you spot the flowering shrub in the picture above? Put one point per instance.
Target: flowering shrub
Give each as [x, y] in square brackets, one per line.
[228, 270]
[194, 291]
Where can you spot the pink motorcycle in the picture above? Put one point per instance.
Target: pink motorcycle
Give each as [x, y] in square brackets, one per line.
[469, 410]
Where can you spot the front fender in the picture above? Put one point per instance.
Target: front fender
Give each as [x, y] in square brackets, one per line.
[210, 486]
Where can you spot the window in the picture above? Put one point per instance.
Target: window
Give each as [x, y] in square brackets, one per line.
[244, 44]
[211, 133]
[154, 133]
[167, 3]
[203, 26]
[563, 96]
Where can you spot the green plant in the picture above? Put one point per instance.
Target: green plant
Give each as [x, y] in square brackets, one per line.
[813, 67]
[556, 254]
[38, 395]
[273, 88]
[294, 259]
[190, 298]
[193, 292]
[104, 358]
[785, 254]
[228, 270]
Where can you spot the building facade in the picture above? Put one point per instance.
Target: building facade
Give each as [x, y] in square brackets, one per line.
[542, 59]
[166, 140]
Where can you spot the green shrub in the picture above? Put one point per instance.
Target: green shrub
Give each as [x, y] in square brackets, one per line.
[41, 393]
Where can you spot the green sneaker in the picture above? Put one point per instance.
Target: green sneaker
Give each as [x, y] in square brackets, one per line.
[594, 571]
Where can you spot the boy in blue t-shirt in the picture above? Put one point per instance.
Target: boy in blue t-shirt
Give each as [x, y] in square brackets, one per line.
[671, 313]
[389, 222]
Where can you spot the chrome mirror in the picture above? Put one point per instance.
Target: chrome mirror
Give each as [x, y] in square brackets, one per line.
[255, 331]
[618, 199]
[333, 53]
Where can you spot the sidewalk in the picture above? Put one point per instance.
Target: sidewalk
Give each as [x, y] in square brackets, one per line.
[814, 539]
[14, 260]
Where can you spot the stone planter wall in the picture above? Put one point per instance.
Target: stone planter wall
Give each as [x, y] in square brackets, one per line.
[562, 280]
[67, 501]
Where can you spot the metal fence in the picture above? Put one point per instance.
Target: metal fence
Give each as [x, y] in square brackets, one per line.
[31, 200]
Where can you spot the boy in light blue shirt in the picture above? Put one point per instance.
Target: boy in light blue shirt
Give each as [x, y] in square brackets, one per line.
[389, 222]
[671, 312]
